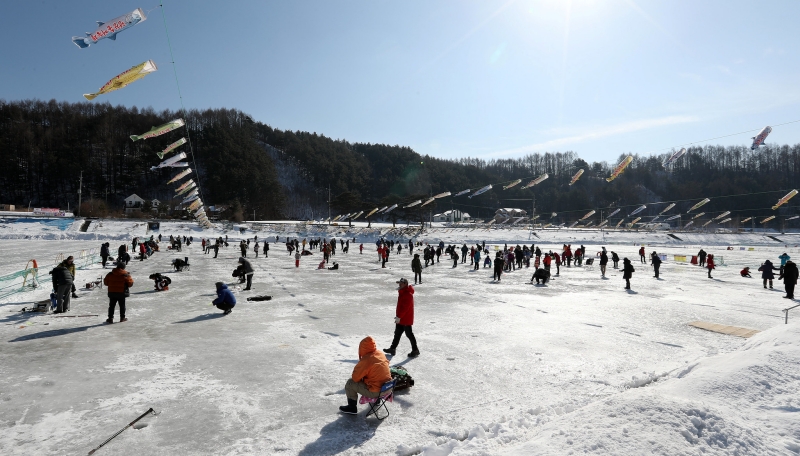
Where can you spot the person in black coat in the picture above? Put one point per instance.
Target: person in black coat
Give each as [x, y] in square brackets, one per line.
[248, 272]
[62, 285]
[498, 266]
[603, 262]
[766, 272]
[615, 259]
[542, 275]
[104, 253]
[655, 260]
[416, 268]
[790, 274]
[627, 272]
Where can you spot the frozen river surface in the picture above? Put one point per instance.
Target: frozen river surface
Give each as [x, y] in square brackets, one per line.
[578, 365]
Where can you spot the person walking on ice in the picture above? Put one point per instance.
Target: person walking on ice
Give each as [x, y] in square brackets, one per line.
[710, 265]
[642, 258]
[118, 281]
[404, 318]
[655, 260]
[627, 272]
[603, 262]
[789, 276]
[369, 375]
[766, 273]
[498, 267]
[416, 268]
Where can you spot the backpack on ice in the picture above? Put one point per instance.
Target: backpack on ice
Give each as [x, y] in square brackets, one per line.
[401, 378]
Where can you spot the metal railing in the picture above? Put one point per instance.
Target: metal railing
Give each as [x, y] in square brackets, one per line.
[786, 311]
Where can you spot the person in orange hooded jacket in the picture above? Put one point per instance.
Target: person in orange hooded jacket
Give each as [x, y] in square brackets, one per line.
[404, 318]
[117, 281]
[369, 375]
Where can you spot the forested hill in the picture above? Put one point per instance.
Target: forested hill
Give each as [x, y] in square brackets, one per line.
[45, 145]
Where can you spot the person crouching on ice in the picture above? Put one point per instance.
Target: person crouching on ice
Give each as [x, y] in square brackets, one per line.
[369, 375]
[161, 281]
[225, 299]
[745, 272]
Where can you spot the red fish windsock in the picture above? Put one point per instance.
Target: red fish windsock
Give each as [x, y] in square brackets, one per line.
[758, 140]
[675, 156]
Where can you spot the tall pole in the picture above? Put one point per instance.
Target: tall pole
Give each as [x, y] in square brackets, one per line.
[329, 204]
[80, 185]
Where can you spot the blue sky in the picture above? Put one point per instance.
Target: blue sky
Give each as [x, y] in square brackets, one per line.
[489, 79]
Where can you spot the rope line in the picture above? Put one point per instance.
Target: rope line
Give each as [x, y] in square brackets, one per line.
[183, 108]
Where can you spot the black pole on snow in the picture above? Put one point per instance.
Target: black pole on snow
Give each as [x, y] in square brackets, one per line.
[126, 427]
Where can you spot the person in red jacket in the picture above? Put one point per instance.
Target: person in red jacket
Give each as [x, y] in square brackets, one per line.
[404, 318]
[369, 375]
[710, 265]
[641, 255]
[557, 260]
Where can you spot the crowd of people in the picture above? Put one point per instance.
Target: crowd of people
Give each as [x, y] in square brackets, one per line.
[372, 370]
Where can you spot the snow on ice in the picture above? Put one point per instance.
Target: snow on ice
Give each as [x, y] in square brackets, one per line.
[576, 366]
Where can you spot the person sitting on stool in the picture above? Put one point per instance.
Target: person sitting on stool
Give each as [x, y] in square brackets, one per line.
[369, 375]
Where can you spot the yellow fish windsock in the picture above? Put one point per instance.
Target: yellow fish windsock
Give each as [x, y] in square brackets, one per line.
[576, 177]
[620, 168]
[123, 79]
[785, 199]
[701, 203]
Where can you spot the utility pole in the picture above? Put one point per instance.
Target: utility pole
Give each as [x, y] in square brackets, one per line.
[80, 185]
[329, 204]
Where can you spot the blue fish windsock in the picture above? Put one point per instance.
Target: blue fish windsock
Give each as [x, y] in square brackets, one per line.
[481, 191]
[109, 29]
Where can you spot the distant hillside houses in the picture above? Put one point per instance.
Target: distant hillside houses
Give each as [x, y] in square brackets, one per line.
[509, 215]
[134, 201]
[452, 216]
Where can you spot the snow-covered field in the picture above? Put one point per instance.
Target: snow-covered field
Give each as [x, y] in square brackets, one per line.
[577, 366]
